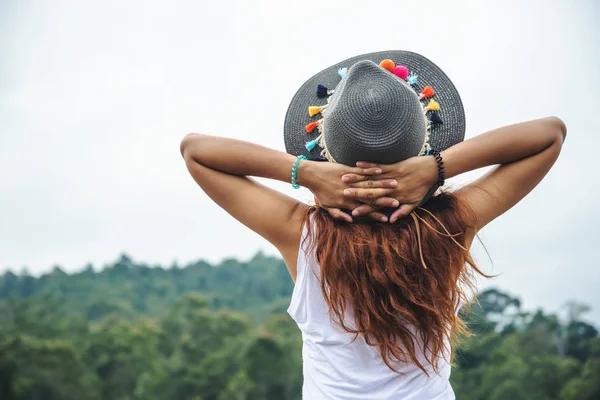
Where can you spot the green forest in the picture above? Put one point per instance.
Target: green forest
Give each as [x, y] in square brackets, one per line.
[132, 331]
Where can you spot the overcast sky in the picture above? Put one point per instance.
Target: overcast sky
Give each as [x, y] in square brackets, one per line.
[96, 95]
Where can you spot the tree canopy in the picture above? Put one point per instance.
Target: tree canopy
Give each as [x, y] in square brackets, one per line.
[220, 332]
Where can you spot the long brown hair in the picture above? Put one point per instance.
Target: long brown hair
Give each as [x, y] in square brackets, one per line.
[413, 273]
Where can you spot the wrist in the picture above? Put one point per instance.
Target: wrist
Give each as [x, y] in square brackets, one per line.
[441, 178]
[430, 169]
[306, 174]
[446, 156]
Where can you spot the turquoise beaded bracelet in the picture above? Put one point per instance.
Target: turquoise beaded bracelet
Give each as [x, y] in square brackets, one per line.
[295, 171]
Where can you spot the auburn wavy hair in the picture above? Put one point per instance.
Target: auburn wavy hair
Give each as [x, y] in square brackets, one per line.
[394, 277]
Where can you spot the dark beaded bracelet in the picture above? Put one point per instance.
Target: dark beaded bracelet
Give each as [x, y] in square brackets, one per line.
[440, 164]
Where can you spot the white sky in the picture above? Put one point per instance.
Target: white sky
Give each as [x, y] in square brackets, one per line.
[95, 96]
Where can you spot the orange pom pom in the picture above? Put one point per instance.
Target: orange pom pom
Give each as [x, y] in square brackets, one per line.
[427, 92]
[311, 127]
[387, 64]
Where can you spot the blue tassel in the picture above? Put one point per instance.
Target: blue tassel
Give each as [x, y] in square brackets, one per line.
[311, 145]
[342, 72]
[412, 79]
[435, 118]
[322, 91]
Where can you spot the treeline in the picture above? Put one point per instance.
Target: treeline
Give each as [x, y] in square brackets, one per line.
[258, 287]
[204, 332]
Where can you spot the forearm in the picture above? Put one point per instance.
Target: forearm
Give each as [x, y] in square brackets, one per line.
[241, 158]
[503, 145]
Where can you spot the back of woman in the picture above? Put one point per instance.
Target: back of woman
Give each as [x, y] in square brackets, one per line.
[381, 264]
[369, 306]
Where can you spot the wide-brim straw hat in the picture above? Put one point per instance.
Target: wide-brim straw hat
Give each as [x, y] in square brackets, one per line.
[382, 107]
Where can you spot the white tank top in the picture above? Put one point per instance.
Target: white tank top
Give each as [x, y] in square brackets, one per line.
[337, 368]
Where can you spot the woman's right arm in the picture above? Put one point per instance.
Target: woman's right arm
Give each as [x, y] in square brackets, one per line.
[523, 154]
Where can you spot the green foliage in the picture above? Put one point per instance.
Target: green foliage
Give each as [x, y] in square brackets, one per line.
[124, 287]
[203, 332]
[532, 356]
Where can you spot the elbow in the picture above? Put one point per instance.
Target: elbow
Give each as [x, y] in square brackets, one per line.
[559, 127]
[187, 143]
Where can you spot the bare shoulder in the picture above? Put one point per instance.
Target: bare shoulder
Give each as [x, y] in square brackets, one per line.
[506, 184]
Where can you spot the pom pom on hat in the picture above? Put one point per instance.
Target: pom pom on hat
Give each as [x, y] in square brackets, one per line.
[387, 64]
[401, 72]
[412, 79]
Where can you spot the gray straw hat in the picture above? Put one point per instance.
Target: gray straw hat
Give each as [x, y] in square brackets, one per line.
[381, 107]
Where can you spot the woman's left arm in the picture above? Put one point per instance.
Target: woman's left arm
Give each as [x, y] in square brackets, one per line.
[221, 167]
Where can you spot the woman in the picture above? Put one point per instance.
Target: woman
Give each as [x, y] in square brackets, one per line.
[381, 264]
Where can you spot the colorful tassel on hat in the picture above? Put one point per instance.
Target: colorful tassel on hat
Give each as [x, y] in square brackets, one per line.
[432, 106]
[342, 72]
[387, 64]
[427, 149]
[435, 118]
[312, 144]
[401, 72]
[314, 110]
[313, 125]
[427, 92]
[412, 79]
[322, 91]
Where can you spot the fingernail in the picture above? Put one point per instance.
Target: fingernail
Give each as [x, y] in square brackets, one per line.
[355, 213]
[347, 192]
[345, 178]
[395, 203]
[377, 171]
[393, 184]
[383, 219]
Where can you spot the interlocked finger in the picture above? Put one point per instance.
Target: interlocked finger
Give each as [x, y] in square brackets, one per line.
[372, 171]
[375, 184]
[338, 214]
[401, 212]
[368, 210]
[377, 216]
[372, 206]
[364, 209]
[366, 195]
[355, 178]
[367, 165]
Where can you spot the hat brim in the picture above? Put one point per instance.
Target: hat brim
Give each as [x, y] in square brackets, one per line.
[442, 136]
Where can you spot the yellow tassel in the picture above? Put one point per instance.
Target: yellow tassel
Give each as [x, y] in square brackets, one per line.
[432, 106]
[314, 110]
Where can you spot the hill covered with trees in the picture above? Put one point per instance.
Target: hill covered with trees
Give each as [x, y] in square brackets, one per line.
[219, 332]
